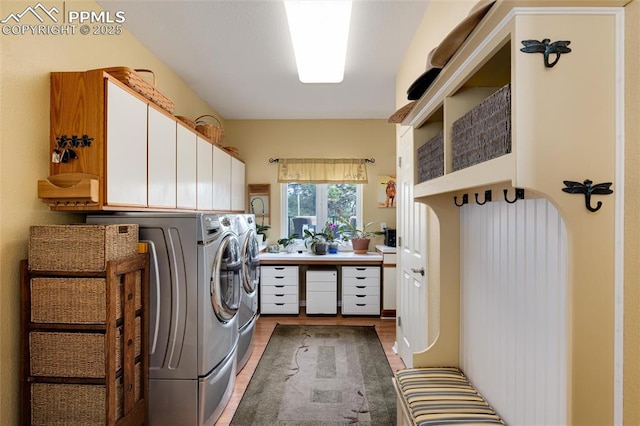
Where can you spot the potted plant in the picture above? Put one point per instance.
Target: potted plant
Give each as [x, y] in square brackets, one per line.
[331, 233]
[360, 238]
[288, 243]
[316, 242]
[262, 230]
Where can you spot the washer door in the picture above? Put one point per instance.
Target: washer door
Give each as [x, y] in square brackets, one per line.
[251, 260]
[226, 279]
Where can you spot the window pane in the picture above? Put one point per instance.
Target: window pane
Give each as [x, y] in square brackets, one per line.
[301, 205]
[341, 201]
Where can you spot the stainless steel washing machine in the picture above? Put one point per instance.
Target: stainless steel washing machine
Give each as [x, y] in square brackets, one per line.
[248, 312]
[194, 298]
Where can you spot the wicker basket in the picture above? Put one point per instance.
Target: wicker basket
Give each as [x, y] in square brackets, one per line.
[79, 404]
[70, 354]
[212, 132]
[186, 120]
[131, 78]
[75, 300]
[484, 132]
[431, 158]
[80, 248]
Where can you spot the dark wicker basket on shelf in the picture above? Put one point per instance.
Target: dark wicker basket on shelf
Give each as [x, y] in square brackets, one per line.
[431, 158]
[484, 132]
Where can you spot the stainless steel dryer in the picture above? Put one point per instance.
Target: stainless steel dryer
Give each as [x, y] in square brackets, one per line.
[248, 312]
[194, 297]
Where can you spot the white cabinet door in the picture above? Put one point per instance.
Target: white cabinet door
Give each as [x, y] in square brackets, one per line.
[238, 194]
[162, 160]
[205, 175]
[186, 166]
[221, 180]
[126, 149]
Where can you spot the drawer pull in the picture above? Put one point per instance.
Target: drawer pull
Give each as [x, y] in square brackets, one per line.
[361, 304]
[279, 304]
[361, 295]
[279, 295]
[360, 278]
[361, 269]
[279, 286]
[279, 268]
[278, 278]
[361, 286]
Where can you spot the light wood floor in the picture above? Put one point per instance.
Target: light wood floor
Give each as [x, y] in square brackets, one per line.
[386, 329]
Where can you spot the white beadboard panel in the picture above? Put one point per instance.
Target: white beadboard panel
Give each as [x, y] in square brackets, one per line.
[514, 308]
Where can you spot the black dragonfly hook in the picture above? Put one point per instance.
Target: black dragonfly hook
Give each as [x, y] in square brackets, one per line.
[587, 188]
[546, 48]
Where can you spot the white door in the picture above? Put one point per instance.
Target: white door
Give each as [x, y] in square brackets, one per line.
[411, 332]
[162, 160]
[126, 148]
[221, 180]
[186, 178]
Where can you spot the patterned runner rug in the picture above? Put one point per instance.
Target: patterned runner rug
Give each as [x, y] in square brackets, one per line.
[320, 375]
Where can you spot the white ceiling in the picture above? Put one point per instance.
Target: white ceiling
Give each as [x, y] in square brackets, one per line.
[237, 55]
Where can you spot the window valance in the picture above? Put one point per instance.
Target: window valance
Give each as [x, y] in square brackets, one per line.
[322, 170]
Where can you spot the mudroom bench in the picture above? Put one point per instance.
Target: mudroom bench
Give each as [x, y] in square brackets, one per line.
[435, 396]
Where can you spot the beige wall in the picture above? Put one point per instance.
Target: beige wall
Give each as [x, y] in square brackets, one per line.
[260, 140]
[26, 62]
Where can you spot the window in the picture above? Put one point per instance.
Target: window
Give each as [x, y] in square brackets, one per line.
[310, 205]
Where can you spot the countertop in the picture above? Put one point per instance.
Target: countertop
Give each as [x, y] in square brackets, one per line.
[385, 249]
[342, 257]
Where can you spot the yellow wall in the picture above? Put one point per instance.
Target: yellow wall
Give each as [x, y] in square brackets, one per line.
[632, 218]
[260, 140]
[25, 64]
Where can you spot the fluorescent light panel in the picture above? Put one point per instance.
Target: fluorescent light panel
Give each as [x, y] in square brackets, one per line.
[319, 31]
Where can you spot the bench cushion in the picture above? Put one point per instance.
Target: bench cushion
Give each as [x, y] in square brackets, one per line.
[443, 396]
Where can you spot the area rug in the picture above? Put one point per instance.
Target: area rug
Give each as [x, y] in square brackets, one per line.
[320, 375]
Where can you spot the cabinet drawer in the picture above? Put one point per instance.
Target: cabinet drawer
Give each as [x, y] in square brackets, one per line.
[280, 298]
[360, 290]
[366, 305]
[389, 258]
[279, 271]
[279, 282]
[360, 271]
[351, 285]
[279, 308]
[322, 302]
[326, 276]
[322, 286]
[279, 289]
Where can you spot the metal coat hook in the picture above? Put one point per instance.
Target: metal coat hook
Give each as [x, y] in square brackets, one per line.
[547, 48]
[487, 197]
[519, 195]
[465, 200]
[587, 188]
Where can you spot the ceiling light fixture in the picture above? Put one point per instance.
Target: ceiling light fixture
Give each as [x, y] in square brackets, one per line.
[319, 31]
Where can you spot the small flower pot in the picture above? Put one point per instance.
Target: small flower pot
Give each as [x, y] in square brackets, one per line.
[320, 248]
[360, 245]
[333, 247]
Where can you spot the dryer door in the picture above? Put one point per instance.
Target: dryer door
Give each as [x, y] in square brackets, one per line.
[251, 259]
[226, 279]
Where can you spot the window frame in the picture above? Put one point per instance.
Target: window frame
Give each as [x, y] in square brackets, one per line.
[321, 199]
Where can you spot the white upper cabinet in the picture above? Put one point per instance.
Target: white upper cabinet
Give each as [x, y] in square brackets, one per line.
[238, 187]
[204, 174]
[221, 179]
[126, 153]
[161, 160]
[186, 163]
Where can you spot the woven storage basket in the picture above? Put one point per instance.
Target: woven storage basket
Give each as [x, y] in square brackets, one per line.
[186, 120]
[212, 132]
[80, 248]
[133, 79]
[484, 132]
[67, 354]
[78, 404]
[75, 300]
[431, 158]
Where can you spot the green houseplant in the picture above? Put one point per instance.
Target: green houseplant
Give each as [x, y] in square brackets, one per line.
[288, 243]
[316, 242]
[359, 238]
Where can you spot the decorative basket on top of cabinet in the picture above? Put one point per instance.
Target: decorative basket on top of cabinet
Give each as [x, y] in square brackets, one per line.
[83, 328]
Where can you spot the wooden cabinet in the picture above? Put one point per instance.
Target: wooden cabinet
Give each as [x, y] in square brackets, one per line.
[84, 345]
[322, 292]
[279, 290]
[360, 290]
[129, 154]
[162, 160]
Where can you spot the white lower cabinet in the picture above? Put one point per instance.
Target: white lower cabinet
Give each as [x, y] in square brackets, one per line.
[279, 290]
[322, 292]
[360, 290]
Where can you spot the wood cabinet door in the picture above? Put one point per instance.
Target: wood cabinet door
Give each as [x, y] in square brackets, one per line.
[126, 148]
[161, 160]
[238, 187]
[204, 172]
[186, 164]
[221, 180]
